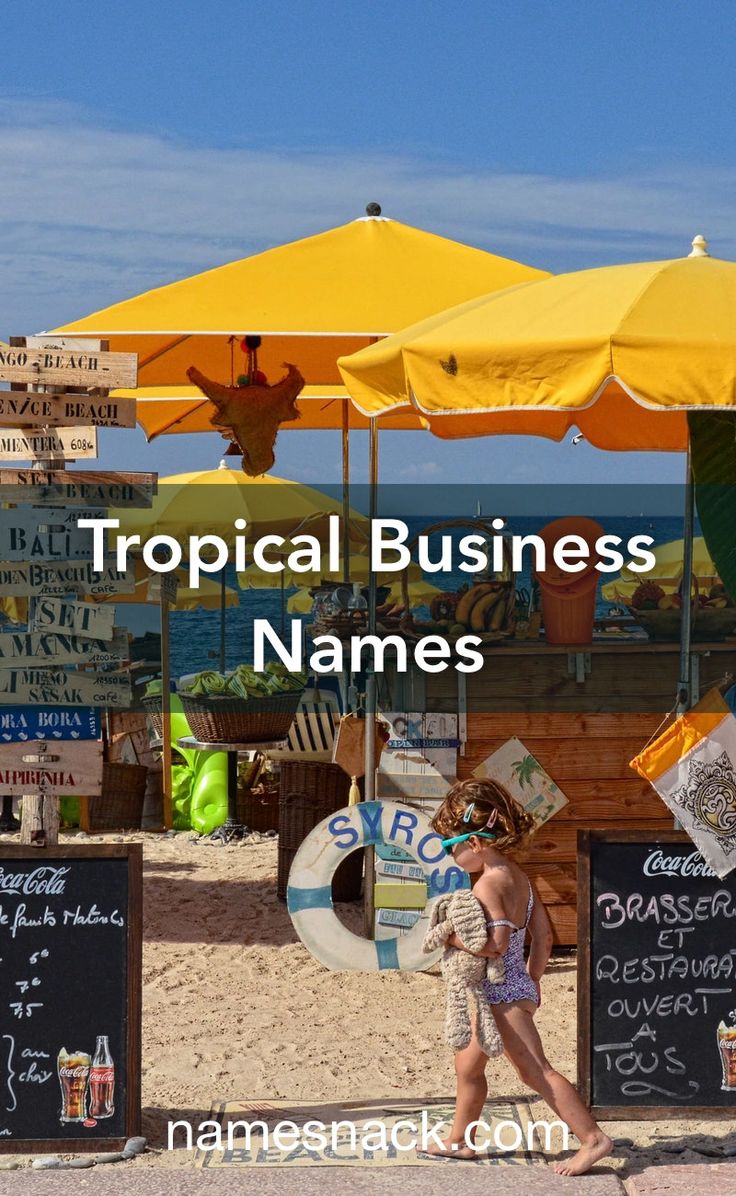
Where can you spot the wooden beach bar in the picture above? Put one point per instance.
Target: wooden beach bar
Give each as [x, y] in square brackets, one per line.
[584, 712]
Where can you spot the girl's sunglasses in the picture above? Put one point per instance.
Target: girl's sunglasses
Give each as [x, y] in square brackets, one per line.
[448, 844]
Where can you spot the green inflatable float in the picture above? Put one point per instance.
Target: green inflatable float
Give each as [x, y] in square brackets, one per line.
[200, 784]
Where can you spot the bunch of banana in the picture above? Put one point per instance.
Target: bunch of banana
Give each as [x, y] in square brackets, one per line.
[482, 608]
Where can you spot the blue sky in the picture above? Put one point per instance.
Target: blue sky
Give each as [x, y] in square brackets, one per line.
[142, 142]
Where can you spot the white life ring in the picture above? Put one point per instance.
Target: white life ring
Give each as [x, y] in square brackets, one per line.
[309, 891]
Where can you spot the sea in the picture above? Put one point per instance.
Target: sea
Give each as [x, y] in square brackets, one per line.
[195, 635]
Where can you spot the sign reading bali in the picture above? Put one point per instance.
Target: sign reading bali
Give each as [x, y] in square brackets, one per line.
[309, 892]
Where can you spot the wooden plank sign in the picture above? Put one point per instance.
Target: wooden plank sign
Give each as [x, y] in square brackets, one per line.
[18, 724]
[45, 534]
[68, 367]
[22, 409]
[75, 488]
[656, 1016]
[49, 766]
[63, 577]
[82, 618]
[16, 444]
[50, 649]
[72, 935]
[55, 687]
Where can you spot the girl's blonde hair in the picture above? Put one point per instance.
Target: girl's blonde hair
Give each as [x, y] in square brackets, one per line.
[512, 826]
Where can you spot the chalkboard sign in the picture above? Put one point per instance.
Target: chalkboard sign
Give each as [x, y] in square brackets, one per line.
[656, 977]
[70, 996]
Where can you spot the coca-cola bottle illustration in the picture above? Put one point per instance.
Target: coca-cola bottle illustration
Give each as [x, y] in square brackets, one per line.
[102, 1081]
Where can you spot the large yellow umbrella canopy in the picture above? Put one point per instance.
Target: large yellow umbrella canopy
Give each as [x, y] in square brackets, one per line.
[620, 352]
[310, 300]
[210, 500]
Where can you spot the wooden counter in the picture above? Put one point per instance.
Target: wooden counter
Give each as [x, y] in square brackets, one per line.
[584, 732]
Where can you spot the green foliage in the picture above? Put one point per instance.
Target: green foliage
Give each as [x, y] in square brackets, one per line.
[713, 447]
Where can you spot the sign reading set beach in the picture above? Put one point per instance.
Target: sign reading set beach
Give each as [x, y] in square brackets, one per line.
[71, 932]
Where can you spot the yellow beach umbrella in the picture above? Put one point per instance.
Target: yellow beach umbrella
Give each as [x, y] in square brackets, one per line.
[667, 571]
[254, 578]
[620, 352]
[421, 593]
[311, 301]
[210, 500]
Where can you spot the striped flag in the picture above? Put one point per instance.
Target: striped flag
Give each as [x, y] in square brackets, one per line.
[692, 766]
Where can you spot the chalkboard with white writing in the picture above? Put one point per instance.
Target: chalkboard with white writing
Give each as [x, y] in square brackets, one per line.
[656, 977]
[70, 996]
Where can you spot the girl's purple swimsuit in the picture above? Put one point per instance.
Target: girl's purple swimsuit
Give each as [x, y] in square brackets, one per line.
[518, 985]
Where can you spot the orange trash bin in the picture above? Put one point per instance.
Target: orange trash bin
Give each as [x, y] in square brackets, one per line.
[568, 599]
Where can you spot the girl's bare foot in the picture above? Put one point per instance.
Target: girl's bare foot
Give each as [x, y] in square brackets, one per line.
[590, 1153]
[452, 1149]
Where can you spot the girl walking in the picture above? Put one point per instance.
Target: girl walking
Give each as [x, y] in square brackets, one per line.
[480, 824]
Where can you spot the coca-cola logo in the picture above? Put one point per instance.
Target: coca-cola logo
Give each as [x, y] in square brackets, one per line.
[102, 1075]
[659, 864]
[46, 879]
[74, 1073]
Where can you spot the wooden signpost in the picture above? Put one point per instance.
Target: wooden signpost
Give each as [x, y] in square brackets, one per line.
[51, 649]
[51, 767]
[72, 946]
[656, 982]
[45, 557]
[56, 687]
[33, 409]
[16, 444]
[48, 534]
[82, 618]
[19, 724]
[20, 580]
[68, 367]
[75, 488]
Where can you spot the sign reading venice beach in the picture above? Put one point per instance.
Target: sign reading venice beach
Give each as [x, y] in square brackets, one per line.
[70, 1010]
[21, 409]
[657, 977]
[68, 367]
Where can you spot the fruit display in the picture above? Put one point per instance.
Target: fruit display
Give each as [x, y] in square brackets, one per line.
[482, 609]
[647, 596]
[244, 682]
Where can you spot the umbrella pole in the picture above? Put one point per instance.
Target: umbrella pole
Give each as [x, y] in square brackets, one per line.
[684, 689]
[345, 491]
[370, 693]
[167, 761]
[222, 620]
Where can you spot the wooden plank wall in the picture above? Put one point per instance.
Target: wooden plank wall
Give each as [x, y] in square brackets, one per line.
[588, 756]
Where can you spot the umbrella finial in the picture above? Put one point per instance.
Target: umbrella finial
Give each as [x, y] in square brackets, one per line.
[223, 464]
[373, 209]
[700, 247]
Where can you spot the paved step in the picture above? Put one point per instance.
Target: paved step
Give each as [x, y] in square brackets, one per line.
[685, 1179]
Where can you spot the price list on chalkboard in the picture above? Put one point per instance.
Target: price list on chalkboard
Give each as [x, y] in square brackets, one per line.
[70, 964]
[657, 976]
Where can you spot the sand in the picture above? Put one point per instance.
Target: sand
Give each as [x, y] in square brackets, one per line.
[234, 1007]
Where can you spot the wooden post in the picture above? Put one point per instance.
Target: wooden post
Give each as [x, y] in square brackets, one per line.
[166, 708]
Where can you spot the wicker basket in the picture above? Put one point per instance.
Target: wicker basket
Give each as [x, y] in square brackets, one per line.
[120, 804]
[219, 718]
[153, 708]
[258, 808]
[310, 792]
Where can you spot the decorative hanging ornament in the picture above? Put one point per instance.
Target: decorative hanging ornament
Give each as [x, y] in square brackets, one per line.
[250, 415]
